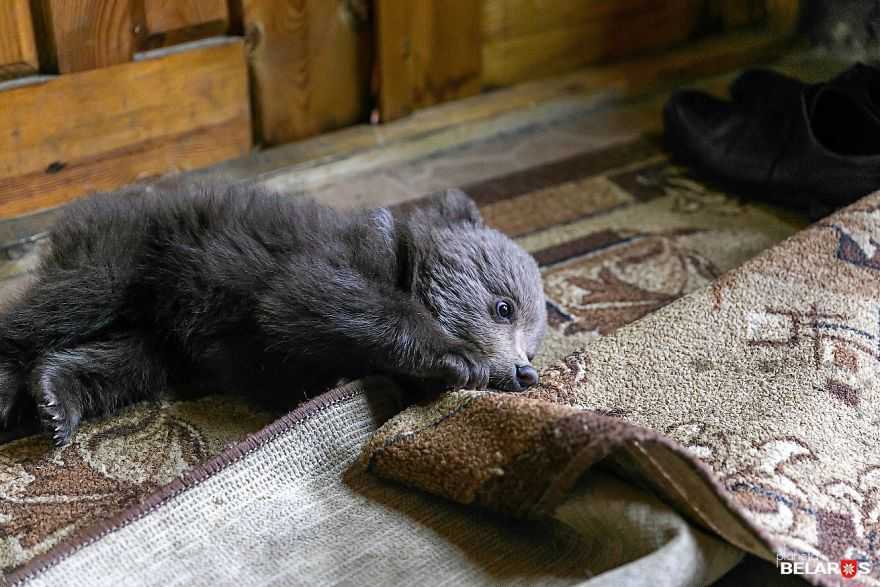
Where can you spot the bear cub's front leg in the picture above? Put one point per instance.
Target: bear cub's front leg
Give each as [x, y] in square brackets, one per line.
[422, 350]
[348, 323]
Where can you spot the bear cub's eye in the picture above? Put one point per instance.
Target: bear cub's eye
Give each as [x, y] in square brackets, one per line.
[504, 310]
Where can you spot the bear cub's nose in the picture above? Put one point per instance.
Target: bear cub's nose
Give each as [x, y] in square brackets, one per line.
[526, 375]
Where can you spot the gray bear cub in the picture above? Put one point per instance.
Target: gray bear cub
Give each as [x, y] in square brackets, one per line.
[233, 288]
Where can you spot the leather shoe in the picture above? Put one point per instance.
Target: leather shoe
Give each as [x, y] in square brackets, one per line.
[822, 149]
[766, 88]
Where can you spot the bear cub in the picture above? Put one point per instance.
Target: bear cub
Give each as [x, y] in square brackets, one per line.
[231, 288]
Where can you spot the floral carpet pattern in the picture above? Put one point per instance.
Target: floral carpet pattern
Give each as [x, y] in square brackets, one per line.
[767, 380]
[46, 495]
[619, 234]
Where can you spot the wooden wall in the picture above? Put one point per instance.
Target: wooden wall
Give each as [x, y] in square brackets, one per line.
[525, 39]
[428, 52]
[97, 117]
[432, 50]
[529, 39]
[311, 65]
[99, 129]
[95, 94]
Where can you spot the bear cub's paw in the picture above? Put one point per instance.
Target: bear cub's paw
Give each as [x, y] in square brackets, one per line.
[58, 414]
[459, 371]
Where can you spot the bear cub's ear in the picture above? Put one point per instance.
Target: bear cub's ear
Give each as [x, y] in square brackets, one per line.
[451, 207]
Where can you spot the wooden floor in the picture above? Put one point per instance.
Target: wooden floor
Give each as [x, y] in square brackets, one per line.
[465, 141]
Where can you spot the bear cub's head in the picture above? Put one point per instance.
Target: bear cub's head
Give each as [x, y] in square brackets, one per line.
[483, 288]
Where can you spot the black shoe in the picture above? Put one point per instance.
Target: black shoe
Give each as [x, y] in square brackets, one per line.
[822, 150]
[765, 88]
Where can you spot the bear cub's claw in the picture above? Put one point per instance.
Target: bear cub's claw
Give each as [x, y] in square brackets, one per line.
[56, 417]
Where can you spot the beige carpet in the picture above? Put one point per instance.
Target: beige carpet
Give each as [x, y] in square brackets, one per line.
[619, 233]
[767, 381]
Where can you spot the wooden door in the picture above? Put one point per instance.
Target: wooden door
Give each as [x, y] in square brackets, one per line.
[96, 94]
[88, 111]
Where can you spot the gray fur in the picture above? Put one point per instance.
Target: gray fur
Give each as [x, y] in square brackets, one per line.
[232, 288]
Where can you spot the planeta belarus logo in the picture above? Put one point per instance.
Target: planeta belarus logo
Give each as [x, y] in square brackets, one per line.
[848, 568]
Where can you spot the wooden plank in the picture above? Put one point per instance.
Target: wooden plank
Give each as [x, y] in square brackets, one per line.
[100, 129]
[394, 57]
[447, 51]
[310, 63]
[428, 52]
[784, 15]
[505, 19]
[648, 25]
[18, 52]
[87, 34]
[508, 19]
[169, 22]
[162, 16]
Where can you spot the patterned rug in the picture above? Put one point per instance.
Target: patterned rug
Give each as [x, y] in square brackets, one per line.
[619, 233]
[767, 380]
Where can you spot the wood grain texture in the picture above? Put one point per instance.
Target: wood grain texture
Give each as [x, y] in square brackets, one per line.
[101, 129]
[88, 34]
[394, 30]
[447, 55]
[18, 51]
[169, 22]
[311, 62]
[428, 52]
[528, 45]
[163, 16]
[508, 19]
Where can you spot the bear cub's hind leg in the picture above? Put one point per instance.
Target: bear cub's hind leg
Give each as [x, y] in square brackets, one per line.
[93, 380]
